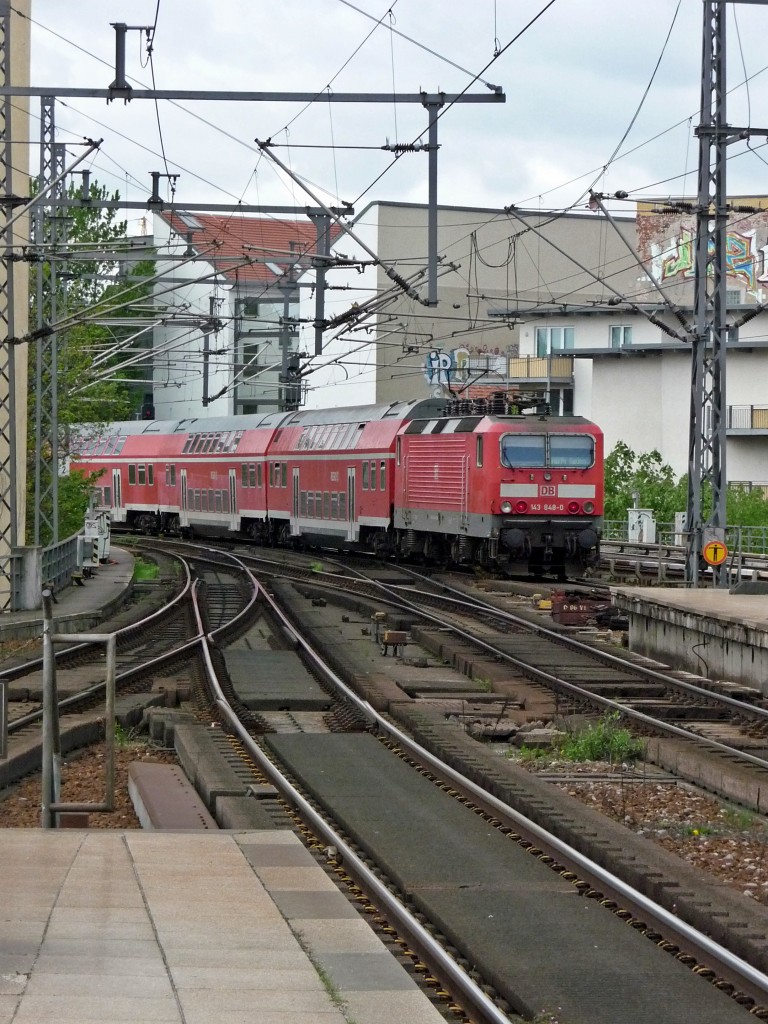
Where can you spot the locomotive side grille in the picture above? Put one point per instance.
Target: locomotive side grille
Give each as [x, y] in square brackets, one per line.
[437, 478]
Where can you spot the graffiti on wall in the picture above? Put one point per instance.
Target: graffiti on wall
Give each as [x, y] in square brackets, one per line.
[667, 243]
[461, 365]
[744, 259]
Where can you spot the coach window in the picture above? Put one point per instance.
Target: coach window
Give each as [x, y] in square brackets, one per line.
[303, 504]
[251, 474]
[271, 474]
[203, 501]
[571, 451]
[310, 504]
[131, 474]
[107, 496]
[365, 476]
[284, 475]
[479, 450]
[217, 499]
[258, 475]
[244, 473]
[383, 476]
[150, 475]
[342, 504]
[326, 504]
[211, 501]
[373, 474]
[523, 451]
[142, 474]
[334, 505]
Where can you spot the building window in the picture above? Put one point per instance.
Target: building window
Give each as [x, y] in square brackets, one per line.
[554, 339]
[621, 335]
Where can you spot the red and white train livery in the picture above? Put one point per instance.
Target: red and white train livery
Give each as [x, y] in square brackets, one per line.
[413, 478]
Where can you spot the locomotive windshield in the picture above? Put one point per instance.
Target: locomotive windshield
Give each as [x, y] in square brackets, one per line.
[556, 451]
[571, 451]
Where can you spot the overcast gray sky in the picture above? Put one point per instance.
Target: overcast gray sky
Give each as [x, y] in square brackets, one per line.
[598, 94]
[573, 80]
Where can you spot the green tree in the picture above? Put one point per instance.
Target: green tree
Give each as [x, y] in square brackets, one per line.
[646, 475]
[653, 481]
[92, 289]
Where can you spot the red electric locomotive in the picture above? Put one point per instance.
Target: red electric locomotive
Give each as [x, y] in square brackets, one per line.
[417, 478]
[514, 491]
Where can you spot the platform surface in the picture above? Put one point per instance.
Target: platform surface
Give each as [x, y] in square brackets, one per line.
[109, 582]
[187, 928]
[708, 602]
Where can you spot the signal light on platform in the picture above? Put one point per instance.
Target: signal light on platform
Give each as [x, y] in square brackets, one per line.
[520, 507]
[574, 507]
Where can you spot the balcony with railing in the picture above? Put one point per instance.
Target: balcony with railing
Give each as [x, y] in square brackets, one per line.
[555, 369]
[747, 419]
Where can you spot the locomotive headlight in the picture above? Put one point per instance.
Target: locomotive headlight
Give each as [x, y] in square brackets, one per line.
[547, 476]
[506, 507]
[589, 508]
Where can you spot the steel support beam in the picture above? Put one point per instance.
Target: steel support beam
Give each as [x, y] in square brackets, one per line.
[706, 451]
[8, 422]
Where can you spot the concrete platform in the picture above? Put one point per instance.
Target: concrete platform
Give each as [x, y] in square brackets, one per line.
[187, 928]
[711, 633]
[78, 609]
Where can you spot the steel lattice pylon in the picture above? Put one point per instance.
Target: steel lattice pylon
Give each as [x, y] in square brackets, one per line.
[48, 234]
[8, 474]
[706, 453]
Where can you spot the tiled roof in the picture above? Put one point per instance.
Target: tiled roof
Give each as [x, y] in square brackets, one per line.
[237, 240]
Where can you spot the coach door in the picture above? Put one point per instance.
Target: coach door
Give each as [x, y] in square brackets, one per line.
[234, 522]
[183, 517]
[295, 527]
[352, 528]
[117, 495]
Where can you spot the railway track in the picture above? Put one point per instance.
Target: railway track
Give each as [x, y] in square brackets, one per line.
[351, 733]
[354, 849]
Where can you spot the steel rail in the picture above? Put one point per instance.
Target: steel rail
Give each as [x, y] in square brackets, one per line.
[737, 971]
[441, 963]
[122, 633]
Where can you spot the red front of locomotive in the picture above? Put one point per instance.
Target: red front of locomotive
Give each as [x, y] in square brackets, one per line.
[544, 480]
[517, 491]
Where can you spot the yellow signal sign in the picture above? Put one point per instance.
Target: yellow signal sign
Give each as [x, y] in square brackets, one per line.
[715, 552]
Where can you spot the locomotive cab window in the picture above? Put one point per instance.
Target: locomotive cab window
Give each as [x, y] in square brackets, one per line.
[479, 450]
[524, 451]
[571, 451]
